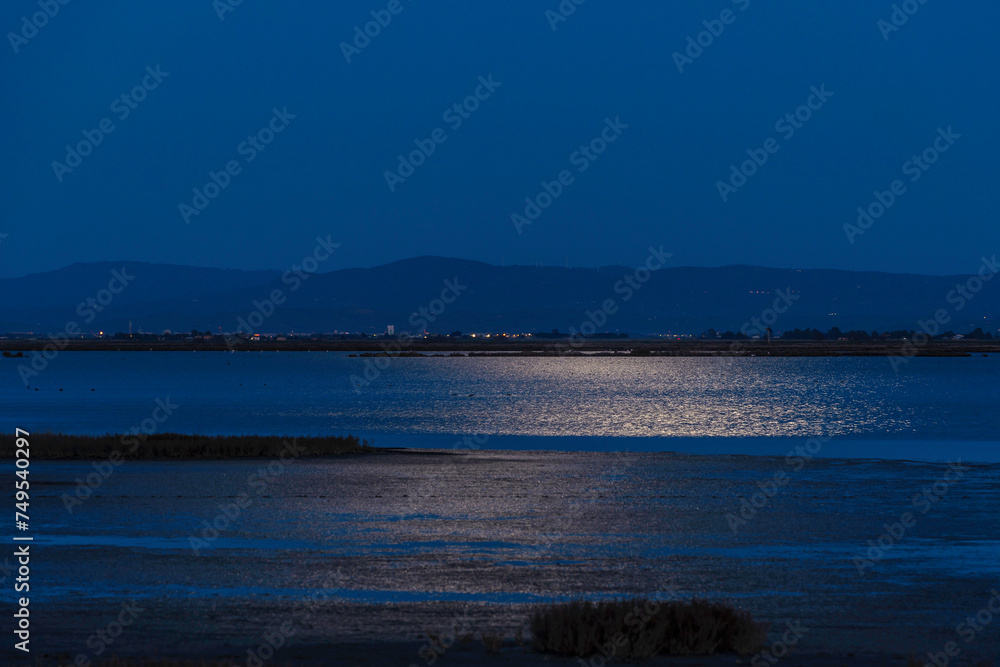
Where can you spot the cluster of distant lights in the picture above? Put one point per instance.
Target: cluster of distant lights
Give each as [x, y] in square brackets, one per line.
[257, 336]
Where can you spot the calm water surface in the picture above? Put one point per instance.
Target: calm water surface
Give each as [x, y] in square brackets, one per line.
[931, 409]
[408, 543]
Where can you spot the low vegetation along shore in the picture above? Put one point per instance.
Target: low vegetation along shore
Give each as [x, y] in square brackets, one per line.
[54, 446]
[610, 631]
[642, 628]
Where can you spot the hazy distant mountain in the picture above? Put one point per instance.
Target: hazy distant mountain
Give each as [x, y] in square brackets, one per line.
[487, 298]
[48, 301]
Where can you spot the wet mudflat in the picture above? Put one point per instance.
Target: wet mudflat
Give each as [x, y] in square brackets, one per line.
[388, 547]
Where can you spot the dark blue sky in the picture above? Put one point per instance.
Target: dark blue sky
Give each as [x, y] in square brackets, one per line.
[657, 183]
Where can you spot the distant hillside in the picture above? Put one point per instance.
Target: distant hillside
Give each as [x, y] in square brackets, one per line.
[47, 301]
[489, 298]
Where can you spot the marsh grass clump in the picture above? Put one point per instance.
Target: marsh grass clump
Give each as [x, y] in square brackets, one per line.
[163, 662]
[641, 628]
[180, 446]
[116, 661]
[492, 641]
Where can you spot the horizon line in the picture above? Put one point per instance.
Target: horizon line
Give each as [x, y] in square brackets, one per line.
[476, 261]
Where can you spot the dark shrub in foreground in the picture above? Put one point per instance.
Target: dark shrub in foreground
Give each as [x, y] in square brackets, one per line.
[179, 446]
[642, 628]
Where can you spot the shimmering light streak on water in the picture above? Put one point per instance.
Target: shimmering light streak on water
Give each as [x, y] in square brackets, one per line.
[312, 393]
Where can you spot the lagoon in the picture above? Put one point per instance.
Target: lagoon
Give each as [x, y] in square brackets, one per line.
[933, 409]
